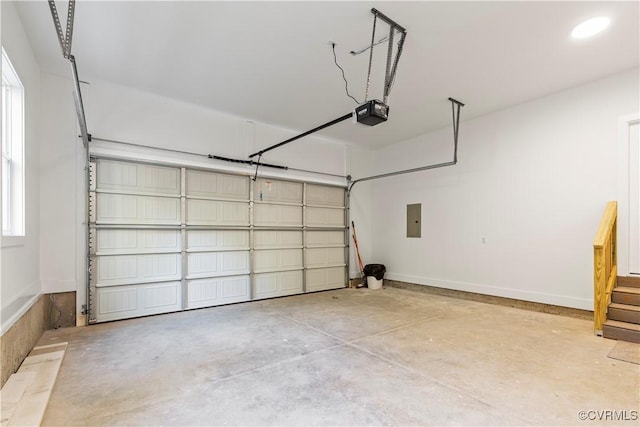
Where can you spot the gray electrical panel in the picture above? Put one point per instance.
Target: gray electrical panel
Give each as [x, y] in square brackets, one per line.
[414, 221]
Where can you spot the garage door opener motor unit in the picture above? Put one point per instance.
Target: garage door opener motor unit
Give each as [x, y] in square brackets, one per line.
[372, 112]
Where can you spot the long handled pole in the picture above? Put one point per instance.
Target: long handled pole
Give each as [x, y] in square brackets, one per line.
[355, 243]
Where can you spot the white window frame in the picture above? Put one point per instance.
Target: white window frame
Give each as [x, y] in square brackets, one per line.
[13, 167]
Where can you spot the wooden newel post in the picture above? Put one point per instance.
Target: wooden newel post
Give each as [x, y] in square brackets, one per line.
[605, 269]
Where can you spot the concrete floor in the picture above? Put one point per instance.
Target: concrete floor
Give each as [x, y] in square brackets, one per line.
[345, 357]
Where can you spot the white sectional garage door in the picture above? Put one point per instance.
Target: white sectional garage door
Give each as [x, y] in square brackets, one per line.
[165, 239]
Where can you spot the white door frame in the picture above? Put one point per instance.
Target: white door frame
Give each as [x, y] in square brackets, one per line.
[624, 123]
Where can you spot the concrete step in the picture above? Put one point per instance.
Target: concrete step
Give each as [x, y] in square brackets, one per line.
[629, 281]
[624, 331]
[624, 313]
[626, 295]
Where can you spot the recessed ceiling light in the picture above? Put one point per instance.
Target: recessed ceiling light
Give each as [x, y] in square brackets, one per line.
[590, 27]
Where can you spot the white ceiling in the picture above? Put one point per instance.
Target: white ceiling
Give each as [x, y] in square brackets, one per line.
[272, 62]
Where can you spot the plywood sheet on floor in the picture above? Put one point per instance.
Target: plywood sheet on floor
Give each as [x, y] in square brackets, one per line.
[26, 394]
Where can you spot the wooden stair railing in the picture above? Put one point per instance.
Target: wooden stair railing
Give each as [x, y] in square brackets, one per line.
[605, 266]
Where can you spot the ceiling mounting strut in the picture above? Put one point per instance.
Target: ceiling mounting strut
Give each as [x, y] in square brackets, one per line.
[82, 121]
[455, 111]
[65, 40]
[65, 44]
[455, 108]
[392, 66]
[373, 37]
[371, 112]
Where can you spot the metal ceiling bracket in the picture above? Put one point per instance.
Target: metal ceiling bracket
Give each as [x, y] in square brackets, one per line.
[373, 37]
[392, 76]
[388, 20]
[64, 39]
[390, 70]
[65, 45]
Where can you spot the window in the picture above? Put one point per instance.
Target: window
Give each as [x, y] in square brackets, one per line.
[12, 151]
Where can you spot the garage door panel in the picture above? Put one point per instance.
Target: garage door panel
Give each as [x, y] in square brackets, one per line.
[265, 261]
[277, 259]
[128, 269]
[216, 186]
[127, 241]
[211, 212]
[203, 264]
[117, 175]
[320, 279]
[217, 291]
[291, 258]
[162, 295]
[277, 215]
[117, 300]
[270, 285]
[117, 241]
[159, 179]
[269, 190]
[132, 209]
[324, 257]
[162, 209]
[117, 208]
[209, 264]
[324, 217]
[217, 240]
[123, 302]
[325, 238]
[272, 239]
[324, 196]
[117, 270]
[137, 178]
[165, 240]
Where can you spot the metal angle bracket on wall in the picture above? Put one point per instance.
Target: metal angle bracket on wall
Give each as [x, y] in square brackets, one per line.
[455, 109]
[77, 99]
[65, 44]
